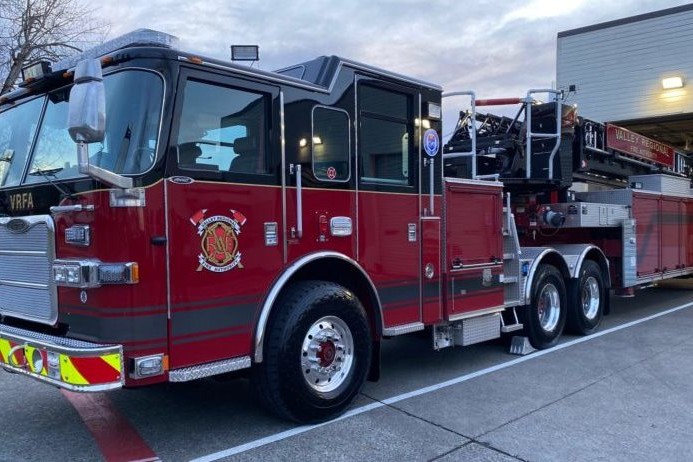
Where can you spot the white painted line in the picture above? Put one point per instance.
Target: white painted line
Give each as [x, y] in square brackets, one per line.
[422, 391]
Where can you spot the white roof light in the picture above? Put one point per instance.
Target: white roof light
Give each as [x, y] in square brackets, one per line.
[245, 52]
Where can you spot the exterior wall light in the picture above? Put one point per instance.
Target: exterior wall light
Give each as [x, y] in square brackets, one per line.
[672, 82]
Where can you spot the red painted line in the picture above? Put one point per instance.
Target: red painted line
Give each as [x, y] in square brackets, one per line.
[116, 438]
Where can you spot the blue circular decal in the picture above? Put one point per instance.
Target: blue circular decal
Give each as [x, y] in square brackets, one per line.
[431, 142]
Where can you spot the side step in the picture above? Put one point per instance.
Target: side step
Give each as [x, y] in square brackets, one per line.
[207, 370]
[511, 328]
[515, 324]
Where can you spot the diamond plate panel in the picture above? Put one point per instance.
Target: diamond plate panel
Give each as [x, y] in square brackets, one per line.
[479, 329]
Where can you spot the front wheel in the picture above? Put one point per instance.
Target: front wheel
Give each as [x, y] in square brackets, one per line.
[544, 319]
[588, 299]
[317, 353]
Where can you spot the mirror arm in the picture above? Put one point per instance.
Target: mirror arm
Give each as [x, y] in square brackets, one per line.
[83, 157]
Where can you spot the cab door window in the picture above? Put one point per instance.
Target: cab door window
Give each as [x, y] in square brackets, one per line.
[223, 129]
[331, 144]
[385, 137]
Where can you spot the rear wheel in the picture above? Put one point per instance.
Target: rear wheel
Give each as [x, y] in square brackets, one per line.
[587, 310]
[317, 353]
[544, 319]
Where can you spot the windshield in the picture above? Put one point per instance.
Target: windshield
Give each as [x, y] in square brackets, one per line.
[133, 112]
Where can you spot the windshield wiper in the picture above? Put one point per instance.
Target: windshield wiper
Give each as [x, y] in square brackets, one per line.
[47, 174]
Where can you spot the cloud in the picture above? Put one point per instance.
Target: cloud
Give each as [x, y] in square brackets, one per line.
[489, 46]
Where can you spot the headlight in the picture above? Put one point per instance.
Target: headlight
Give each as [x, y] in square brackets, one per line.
[69, 275]
[73, 275]
[59, 274]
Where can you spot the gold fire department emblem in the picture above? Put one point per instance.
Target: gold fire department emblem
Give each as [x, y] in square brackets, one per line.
[219, 242]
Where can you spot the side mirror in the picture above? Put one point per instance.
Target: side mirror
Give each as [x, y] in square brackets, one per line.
[86, 117]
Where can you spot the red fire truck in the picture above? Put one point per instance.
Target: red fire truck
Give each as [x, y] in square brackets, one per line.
[168, 217]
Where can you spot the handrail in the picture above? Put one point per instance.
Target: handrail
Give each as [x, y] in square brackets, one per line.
[528, 119]
[472, 153]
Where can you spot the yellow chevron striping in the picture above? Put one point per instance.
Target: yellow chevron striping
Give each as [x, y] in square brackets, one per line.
[113, 361]
[69, 372]
[4, 350]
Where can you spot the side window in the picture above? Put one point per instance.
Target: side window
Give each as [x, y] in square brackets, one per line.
[384, 136]
[331, 144]
[223, 129]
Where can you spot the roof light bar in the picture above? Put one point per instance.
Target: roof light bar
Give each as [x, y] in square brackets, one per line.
[139, 37]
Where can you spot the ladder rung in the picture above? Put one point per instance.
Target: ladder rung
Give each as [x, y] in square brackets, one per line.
[509, 279]
[508, 256]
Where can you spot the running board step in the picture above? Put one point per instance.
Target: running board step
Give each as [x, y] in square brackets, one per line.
[403, 329]
[511, 328]
[187, 374]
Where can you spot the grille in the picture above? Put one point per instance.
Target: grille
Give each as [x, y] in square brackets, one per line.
[26, 287]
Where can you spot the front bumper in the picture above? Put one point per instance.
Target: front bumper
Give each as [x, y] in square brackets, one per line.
[66, 363]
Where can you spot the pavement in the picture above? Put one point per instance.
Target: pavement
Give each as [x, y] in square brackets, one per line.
[622, 394]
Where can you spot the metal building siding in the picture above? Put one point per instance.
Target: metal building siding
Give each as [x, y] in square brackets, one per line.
[618, 69]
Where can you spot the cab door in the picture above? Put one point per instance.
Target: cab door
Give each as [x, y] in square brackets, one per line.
[224, 213]
[320, 181]
[389, 227]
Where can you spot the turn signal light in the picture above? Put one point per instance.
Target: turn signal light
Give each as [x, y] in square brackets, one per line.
[119, 273]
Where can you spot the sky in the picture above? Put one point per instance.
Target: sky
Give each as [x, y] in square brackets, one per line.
[496, 48]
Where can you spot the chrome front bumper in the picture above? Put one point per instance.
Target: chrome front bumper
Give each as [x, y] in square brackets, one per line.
[66, 363]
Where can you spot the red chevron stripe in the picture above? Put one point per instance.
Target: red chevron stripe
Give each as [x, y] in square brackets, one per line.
[95, 370]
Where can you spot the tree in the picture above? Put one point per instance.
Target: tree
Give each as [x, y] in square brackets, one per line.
[34, 30]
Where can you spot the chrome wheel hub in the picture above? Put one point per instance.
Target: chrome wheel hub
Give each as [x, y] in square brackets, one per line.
[549, 307]
[327, 354]
[590, 298]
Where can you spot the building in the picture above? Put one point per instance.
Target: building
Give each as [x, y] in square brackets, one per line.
[636, 72]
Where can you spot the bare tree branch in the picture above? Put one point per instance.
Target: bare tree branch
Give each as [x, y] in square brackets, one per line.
[37, 29]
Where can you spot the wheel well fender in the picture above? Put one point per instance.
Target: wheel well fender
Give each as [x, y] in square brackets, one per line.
[550, 257]
[594, 253]
[324, 266]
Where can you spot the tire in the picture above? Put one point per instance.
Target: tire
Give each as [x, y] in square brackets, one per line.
[317, 353]
[588, 299]
[544, 319]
